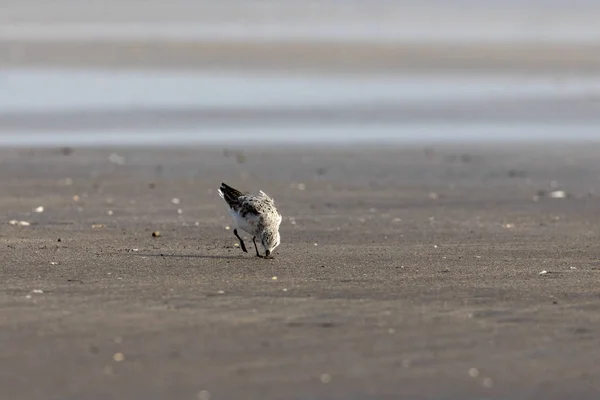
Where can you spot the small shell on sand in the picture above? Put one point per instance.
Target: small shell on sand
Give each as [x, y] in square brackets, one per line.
[20, 223]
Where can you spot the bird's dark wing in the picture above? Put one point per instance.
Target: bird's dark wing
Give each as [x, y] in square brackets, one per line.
[231, 196]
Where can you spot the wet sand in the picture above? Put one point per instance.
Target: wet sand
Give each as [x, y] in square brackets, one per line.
[403, 273]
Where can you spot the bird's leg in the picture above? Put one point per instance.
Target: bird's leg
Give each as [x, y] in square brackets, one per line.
[242, 245]
[256, 248]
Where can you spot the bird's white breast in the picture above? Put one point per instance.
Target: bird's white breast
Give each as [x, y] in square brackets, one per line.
[247, 224]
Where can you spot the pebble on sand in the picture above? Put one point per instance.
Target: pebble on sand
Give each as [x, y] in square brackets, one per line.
[487, 382]
[116, 159]
[204, 395]
[20, 223]
[118, 357]
[175, 200]
[544, 272]
[558, 194]
[156, 234]
[39, 209]
[325, 378]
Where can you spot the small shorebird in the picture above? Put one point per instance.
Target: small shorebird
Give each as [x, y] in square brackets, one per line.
[254, 214]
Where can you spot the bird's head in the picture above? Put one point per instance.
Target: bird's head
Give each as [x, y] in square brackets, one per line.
[270, 240]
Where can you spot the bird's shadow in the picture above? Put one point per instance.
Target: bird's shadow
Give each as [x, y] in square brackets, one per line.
[205, 256]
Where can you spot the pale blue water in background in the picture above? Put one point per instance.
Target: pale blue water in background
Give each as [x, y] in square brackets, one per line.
[130, 107]
[59, 90]
[87, 107]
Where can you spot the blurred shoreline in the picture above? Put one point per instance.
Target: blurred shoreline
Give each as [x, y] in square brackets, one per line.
[307, 57]
[354, 36]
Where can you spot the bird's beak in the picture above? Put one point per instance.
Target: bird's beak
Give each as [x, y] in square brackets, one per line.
[267, 253]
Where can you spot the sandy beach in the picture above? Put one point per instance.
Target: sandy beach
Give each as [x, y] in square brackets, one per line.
[414, 270]
[403, 273]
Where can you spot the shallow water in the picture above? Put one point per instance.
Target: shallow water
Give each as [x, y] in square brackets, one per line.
[54, 107]
[68, 90]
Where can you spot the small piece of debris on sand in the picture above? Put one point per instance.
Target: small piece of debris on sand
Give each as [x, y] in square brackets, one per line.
[204, 395]
[544, 272]
[116, 159]
[20, 223]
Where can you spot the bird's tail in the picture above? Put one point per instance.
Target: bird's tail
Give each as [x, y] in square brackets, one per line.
[229, 194]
